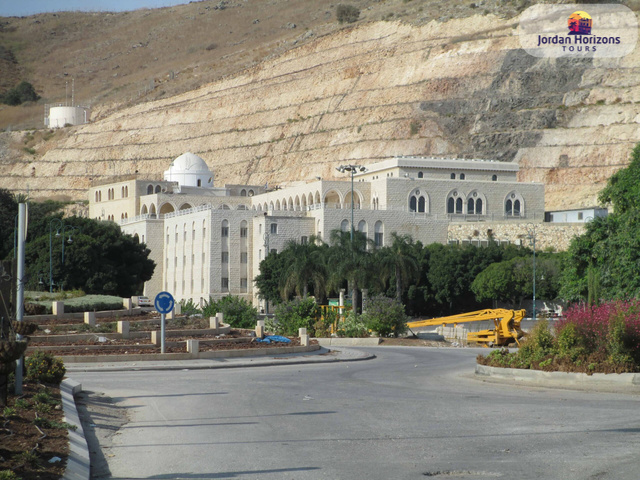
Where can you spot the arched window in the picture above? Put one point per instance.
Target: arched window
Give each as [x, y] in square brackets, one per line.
[378, 236]
[459, 205]
[462, 176]
[453, 176]
[479, 206]
[471, 206]
[421, 205]
[362, 227]
[514, 205]
[494, 178]
[413, 204]
[344, 226]
[158, 189]
[149, 189]
[225, 229]
[451, 202]
[420, 175]
[243, 193]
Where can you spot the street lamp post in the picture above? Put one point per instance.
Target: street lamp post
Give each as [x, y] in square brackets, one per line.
[60, 229]
[531, 235]
[352, 169]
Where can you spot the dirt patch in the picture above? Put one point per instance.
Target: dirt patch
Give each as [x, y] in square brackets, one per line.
[33, 433]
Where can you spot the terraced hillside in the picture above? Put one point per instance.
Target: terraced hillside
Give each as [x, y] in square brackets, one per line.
[361, 94]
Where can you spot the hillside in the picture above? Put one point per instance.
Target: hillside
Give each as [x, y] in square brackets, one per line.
[357, 93]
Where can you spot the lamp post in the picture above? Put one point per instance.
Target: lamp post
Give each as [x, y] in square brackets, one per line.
[352, 169]
[531, 236]
[60, 228]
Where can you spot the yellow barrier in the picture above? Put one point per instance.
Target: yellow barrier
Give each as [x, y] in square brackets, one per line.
[336, 312]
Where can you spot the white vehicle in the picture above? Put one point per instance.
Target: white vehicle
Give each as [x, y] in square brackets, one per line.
[144, 302]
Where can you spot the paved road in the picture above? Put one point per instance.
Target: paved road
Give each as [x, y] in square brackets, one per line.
[410, 413]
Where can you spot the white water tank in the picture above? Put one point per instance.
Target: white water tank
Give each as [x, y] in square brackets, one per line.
[61, 116]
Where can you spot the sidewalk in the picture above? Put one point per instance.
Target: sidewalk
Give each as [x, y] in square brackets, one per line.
[323, 355]
[78, 465]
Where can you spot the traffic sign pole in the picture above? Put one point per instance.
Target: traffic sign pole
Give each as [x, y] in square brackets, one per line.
[162, 317]
[164, 304]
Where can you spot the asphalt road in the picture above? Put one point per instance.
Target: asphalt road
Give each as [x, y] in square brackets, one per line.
[410, 413]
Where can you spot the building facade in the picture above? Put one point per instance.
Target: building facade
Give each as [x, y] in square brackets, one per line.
[209, 241]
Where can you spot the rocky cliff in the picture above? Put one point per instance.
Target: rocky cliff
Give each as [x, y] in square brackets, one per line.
[463, 88]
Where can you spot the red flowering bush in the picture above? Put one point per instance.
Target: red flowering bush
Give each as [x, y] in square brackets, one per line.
[603, 338]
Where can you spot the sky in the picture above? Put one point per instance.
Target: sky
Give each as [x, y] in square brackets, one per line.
[16, 8]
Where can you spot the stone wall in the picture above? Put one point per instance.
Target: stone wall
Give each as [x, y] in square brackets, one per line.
[548, 235]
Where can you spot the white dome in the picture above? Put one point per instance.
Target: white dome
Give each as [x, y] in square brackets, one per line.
[189, 170]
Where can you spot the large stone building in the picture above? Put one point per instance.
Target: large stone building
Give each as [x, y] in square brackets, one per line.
[209, 241]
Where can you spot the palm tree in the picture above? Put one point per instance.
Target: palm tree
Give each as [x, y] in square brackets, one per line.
[307, 267]
[350, 261]
[398, 261]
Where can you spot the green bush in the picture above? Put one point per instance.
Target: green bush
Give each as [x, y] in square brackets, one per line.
[353, 327]
[44, 368]
[347, 13]
[189, 308]
[385, 316]
[295, 314]
[8, 475]
[570, 343]
[237, 312]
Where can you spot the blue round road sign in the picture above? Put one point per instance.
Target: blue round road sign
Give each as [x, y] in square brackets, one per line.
[164, 302]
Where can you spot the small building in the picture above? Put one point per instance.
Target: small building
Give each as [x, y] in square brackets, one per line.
[578, 215]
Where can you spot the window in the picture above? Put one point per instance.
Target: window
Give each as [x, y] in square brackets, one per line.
[225, 257]
[451, 202]
[420, 175]
[243, 284]
[462, 176]
[243, 232]
[225, 229]
[149, 189]
[421, 205]
[243, 257]
[260, 254]
[303, 240]
[199, 183]
[274, 228]
[224, 284]
[494, 178]
[453, 176]
[471, 206]
[260, 228]
[413, 204]
[378, 237]
[459, 205]
[579, 215]
[273, 250]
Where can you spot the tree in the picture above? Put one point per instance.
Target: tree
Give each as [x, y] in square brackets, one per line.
[398, 262]
[608, 252]
[305, 268]
[24, 92]
[350, 261]
[272, 270]
[347, 13]
[99, 258]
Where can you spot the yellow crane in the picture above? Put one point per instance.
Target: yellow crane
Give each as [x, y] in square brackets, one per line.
[507, 325]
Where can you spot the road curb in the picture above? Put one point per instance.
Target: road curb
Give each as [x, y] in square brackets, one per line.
[616, 382]
[78, 462]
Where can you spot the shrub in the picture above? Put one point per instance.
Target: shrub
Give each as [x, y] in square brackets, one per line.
[347, 13]
[189, 308]
[352, 327]
[237, 312]
[45, 368]
[295, 314]
[8, 475]
[385, 316]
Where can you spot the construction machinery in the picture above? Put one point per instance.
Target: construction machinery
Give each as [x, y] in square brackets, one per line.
[507, 325]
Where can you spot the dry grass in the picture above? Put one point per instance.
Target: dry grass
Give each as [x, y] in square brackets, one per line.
[124, 58]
